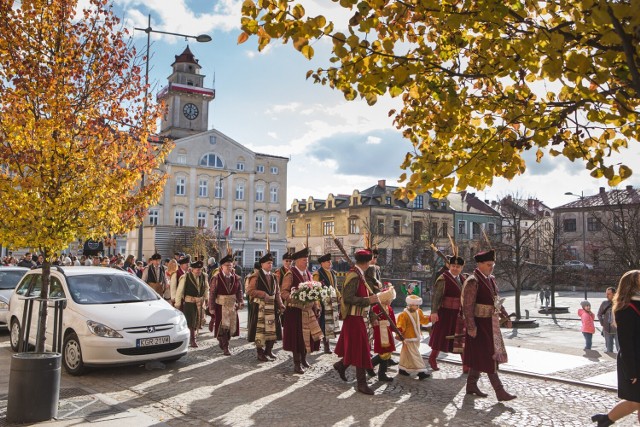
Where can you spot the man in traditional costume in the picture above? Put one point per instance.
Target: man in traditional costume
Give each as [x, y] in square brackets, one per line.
[482, 309]
[264, 319]
[409, 322]
[373, 275]
[155, 274]
[183, 268]
[301, 333]
[383, 343]
[287, 261]
[329, 315]
[447, 333]
[353, 345]
[193, 290]
[225, 299]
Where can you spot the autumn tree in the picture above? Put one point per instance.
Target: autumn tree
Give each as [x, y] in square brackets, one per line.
[75, 129]
[481, 82]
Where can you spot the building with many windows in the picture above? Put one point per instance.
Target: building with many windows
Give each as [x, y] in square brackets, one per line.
[214, 183]
[402, 230]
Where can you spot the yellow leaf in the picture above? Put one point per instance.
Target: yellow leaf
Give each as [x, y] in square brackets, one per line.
[243, 37]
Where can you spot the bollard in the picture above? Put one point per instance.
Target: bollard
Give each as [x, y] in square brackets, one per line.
[526, 314]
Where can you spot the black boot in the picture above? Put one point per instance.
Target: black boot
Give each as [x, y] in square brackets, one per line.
[423, 375]
[375, 360]
[403, 372]
[341, 368]
[603, 420]
[327, 349]
[472, 384]
[391, 362]
[296, 363]
[261, 355]
[382, 371]
[268, 350]
[501, 394]
[362, 385]
[303, 360]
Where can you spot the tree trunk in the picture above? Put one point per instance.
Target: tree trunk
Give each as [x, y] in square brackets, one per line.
[44, 295]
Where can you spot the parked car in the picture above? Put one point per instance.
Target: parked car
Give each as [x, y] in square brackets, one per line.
[9, 278]
[111, 318]
[574, 263]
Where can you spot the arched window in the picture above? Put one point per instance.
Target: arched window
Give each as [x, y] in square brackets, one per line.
[211, 160]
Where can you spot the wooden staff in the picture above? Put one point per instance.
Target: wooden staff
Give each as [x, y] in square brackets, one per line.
[392, 324]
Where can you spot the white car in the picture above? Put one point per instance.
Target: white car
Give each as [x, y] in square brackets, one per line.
[9, 278]
[578, 264]
[111, 318]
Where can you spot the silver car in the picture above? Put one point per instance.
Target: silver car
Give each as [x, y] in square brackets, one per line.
[9, 278]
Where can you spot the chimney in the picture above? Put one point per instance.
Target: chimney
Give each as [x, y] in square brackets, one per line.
[602, 190]
[382, 183]
[530, 204]
[629, 188]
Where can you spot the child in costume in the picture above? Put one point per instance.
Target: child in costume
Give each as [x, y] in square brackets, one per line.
[409, 322]
[383, 343]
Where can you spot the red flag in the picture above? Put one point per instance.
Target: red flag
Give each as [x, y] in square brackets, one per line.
[227, 231]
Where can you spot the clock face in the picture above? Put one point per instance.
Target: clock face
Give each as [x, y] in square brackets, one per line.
[190, 111]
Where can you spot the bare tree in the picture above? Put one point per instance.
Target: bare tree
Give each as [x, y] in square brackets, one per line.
[618, 222]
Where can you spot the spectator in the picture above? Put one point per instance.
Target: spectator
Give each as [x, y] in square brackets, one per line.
[626, 310]
[605, 317]
[541, 297]
[139, 269]
[588, 326]
[547, 297]
[27, 261]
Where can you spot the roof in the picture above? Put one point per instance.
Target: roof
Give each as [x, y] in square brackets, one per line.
[186, 57]
[626, 196]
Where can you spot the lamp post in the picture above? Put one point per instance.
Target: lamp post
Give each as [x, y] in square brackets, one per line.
[218, 214]
[584, 240]
[202, 38]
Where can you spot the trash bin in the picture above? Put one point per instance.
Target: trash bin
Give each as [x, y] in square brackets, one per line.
[34, 387]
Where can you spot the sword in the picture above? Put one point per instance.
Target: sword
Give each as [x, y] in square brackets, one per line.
[385, 315]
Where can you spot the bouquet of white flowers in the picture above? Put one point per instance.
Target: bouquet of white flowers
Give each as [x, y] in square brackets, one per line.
[310, 292]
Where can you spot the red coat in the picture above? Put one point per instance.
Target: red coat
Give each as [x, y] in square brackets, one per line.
[221, 286]
[377, 342]
[449, 314]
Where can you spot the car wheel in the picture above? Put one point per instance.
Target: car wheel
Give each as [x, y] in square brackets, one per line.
[72, 355]
[14, 334]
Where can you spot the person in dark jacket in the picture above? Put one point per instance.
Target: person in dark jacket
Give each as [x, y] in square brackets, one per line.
[626, 309]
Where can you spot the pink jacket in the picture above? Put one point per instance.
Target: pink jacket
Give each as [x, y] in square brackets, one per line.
[587, 321]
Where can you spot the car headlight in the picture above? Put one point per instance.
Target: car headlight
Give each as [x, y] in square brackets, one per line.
[182, 322]
[4, 305]
[102, 330]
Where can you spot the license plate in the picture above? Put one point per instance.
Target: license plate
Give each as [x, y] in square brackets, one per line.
[146, 342]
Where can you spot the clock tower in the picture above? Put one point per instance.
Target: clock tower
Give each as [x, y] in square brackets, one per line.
[186, 99]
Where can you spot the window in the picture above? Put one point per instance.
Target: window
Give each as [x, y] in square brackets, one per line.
[380, 225]
[444, 230]
[202, 219]
[212, 161]
[240, 191]
[238, 257]
[218, 193]
[181, 187]
[462, 227]
[259, 193]
[257, 254]
[617, 224]
[154, 214]
[259, 223]
[475, 226]
[274, 170]
[418, 202]
[308, 229]
[593, 224]
[434, 230]
[327, 228]
[179, 218]
[273, 224]
[569, 224]
[273, 192]
[443, 205]
[396, 227]
[203, 188]
[238, 224]
[217, 220]
[260, 169]
[353, 226]
[293, 229]
[240, 166]
[491, 228]
[213, 139]
[182, 159]
[388, 200]
[417, 230]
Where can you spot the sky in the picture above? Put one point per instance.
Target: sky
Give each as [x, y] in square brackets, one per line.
[264, 102]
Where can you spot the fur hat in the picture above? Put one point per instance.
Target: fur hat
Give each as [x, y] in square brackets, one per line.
[197, 264]
[184, 260]
[489, 255]
[287, 255]
[226, 259]
[266, 258]
[324, 258]
[456, 260]
[387, 296]
[302, 253]
[413, 300]
[363, 255]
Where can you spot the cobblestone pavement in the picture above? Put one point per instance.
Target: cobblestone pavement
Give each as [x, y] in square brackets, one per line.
[207, 388]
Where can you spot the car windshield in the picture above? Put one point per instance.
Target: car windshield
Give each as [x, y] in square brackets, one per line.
[9, 279]
[109, 289]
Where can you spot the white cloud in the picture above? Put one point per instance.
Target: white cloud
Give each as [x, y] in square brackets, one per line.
[273, 135]
[373, 140]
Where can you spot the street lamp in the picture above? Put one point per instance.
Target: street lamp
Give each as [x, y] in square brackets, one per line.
[584, 240]
[218, 214]
[202, 38]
